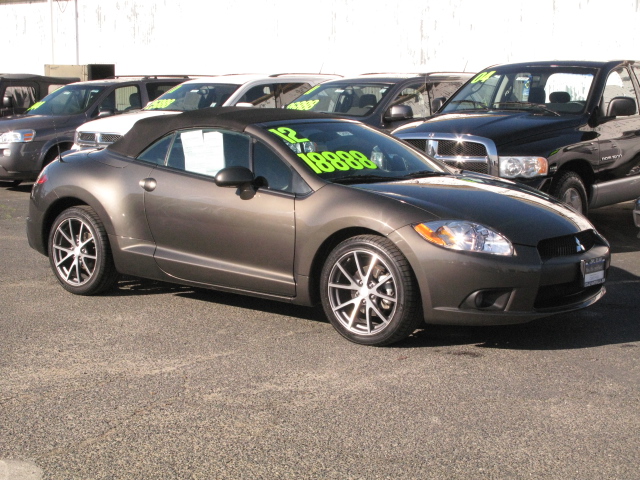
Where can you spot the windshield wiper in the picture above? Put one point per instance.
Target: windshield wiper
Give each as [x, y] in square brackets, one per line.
[526, 106]
[423, 173]
[363, 179]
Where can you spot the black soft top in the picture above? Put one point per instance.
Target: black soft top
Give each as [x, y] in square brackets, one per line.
[146, 131]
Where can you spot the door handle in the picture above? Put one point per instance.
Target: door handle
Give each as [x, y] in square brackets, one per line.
[149, 184]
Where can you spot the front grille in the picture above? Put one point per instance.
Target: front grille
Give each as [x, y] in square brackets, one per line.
[554, 296]
[419, 143]
[452, 148]
[109, 137]
[567, 245]
[87, 137]
[478, 167]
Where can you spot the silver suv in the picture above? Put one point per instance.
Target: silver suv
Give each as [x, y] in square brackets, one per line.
[258, 91]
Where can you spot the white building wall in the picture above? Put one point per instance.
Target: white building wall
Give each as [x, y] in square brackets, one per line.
[332, 36]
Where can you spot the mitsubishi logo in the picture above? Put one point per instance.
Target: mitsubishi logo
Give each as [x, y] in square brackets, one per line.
[579, 246]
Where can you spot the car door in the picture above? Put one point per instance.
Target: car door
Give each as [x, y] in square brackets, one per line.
[214, 235]
[618, 143]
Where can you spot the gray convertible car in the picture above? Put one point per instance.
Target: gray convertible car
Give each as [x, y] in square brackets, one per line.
[307, 208]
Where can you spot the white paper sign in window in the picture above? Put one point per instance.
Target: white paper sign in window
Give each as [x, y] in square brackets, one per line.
[203, 152]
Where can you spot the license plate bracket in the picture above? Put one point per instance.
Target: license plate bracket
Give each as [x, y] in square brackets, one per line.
[593, 271]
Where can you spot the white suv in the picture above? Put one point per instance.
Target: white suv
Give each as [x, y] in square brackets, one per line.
[260, 91]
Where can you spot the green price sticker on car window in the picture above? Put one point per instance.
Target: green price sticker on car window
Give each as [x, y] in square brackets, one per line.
[160, 103]
[483, 77]
[35, 106]
[327, 162]
[303, 105]
[288, 135]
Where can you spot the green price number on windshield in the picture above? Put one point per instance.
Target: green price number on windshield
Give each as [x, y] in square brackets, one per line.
[288, 135]
[34, 106]
[483, 77]
[160, 103]
[303, 105]
[327, 162]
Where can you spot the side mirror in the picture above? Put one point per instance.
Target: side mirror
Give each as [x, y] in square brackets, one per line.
[7, 102]
[398, 112]
[621, 107]
[234, 177]
[436, 103]
[105, 113]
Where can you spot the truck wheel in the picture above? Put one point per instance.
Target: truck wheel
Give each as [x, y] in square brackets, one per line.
[569, 188]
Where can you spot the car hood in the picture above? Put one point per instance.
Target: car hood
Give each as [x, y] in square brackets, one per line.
[120, 123]
[500, 126]
[523, 215]
[16, 122]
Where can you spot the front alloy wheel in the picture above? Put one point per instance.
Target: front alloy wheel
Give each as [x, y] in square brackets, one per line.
[79, 252]
[368, 291]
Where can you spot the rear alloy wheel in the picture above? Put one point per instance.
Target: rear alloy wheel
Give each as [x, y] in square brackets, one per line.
[79, 252]
[369, 292]
[569, 188]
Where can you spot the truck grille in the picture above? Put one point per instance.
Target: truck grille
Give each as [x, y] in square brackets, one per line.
[456, 154]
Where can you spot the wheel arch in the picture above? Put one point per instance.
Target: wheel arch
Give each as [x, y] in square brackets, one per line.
[323, 251]
[582, 168]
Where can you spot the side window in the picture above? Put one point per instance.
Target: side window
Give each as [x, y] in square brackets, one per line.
[276, 175]
[414, 96]
[127, 98]
[206, 151]
[22, 96]
[157, 153]
[154, 90]
[443, 90]
[288, 92]
[619, 84]
[261, 96]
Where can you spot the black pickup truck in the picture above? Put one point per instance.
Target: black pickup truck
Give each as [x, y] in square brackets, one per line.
[571, 129]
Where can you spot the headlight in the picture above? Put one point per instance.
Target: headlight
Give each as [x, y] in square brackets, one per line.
[465, 236]
[512, 167]
[18, 136]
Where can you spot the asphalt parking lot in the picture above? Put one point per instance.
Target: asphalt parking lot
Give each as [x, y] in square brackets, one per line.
[155, 381]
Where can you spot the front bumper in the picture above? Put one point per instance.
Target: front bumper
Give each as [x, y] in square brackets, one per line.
[460, 288]
[19, 161]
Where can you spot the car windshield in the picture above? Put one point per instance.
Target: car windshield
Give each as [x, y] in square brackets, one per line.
[193, 96]
[68, 100]
[345, 152]
[356, 100]
[548, 90]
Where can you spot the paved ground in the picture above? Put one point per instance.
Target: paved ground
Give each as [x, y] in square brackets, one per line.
[163, 382]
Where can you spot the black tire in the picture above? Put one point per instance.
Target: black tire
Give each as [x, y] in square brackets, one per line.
[369, 292]
[569, 188]
[79, 252]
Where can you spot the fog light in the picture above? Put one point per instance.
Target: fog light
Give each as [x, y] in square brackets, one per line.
[494, 300]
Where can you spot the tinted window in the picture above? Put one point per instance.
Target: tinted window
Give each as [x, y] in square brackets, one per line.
[67, 100]
[619, 84]
[23, 96]
[416, 97]
[288, 92]
[266, 164]
[261, 96]
[345, 99]
[122, 99]
[346, 152]
[193, 96]
[157, 153]
[560, 89]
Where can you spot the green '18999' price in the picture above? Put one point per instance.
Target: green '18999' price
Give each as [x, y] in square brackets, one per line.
[327, 162]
